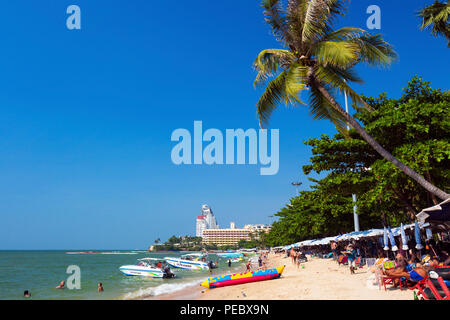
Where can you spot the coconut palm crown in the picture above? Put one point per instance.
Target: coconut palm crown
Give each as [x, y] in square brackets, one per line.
[318, 58]
[437, 16]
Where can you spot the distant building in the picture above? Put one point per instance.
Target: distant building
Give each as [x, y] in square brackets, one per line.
[223, 237]
[205, 221]
[257, 228]
[200, 226]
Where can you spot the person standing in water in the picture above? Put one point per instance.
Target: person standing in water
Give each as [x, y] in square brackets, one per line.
[229, 263]
[100, 287]
[26, 294]
[249, 266]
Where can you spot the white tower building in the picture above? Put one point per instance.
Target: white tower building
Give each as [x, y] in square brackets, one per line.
[206, 220]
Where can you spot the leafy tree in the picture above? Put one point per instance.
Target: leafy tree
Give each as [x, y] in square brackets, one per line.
[416, 127]
[173, 240]
[437, 16]
[323, 60]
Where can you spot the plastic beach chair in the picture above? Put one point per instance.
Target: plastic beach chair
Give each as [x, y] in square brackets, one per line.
[435, 287]
[391, 280]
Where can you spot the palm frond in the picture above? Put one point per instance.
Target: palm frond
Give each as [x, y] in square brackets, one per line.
[374, 51]
[337, 79]
[296, 79]
[320, 108]
[295, 17]
[276, 18]
[285, 88]
[272, 97]
[345, 33]
[269, 61]
[436, 15]
[336, 53]
[319, 18]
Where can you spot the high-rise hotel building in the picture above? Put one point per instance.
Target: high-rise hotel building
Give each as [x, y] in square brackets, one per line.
[205, 221]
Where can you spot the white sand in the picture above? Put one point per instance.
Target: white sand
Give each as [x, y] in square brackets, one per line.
[321, 279]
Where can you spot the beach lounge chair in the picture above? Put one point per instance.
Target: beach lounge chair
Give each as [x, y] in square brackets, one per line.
[391, 280]
[388, 265]
[435, 289]
[435, 285]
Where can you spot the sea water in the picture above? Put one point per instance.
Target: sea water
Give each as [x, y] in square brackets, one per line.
[40, 272]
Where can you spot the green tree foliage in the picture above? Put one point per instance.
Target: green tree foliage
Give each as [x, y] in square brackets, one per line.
[416, 129]
[322, 59]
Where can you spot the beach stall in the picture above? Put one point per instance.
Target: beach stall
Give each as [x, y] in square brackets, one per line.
[437, 216]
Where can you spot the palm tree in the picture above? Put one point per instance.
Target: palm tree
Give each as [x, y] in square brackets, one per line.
[438, 15]
[322, 60]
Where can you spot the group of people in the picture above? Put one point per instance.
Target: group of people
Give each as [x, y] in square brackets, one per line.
[262, 259]
[413, 265]
[297, 256]
[62, 285]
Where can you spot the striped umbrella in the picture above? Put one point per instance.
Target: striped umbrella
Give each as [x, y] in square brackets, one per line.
[392, 240]
[417, 236]
[404, 241]
[385, 239]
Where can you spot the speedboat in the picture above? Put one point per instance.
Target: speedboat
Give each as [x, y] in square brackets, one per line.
[190, 261]
[145, 269]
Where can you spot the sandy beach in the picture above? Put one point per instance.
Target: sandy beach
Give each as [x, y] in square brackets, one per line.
[320, 279]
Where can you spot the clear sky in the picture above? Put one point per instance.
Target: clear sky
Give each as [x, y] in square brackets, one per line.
[86, 115]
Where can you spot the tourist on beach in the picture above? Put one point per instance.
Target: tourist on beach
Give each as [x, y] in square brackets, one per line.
[61, 285]
[260, 261]
[229, 263]
[210, 263]
[100, 287]
[333, 246]
[26, 294]
[351, 254]
[249, 266]
[415, 275]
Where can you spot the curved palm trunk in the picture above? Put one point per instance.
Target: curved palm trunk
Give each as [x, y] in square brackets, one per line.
[383, 152]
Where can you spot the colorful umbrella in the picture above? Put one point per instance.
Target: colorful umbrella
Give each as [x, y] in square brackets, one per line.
[404, 241]
[392, 240]
[417, 236]
[385, 239]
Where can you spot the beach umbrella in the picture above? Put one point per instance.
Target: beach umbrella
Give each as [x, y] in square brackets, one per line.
[392, 240]
[385, 239]
[438, 216]
[404, 241]
[417, 236]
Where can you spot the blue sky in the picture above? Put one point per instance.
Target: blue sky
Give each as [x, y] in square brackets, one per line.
[86, 115]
